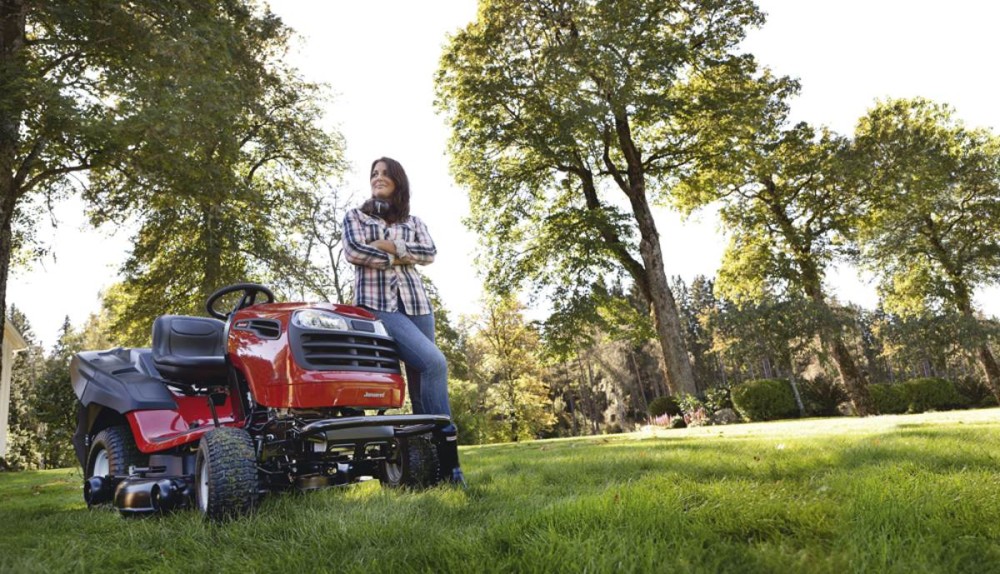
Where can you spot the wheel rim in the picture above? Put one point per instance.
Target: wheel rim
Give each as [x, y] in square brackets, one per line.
[393, 468]
[102, 466]
[203, 486]
[393, 472]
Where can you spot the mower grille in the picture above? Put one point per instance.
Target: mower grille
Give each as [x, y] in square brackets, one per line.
[348, 351]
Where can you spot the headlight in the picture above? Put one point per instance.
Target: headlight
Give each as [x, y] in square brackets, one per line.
[313, 319]
[380, 328]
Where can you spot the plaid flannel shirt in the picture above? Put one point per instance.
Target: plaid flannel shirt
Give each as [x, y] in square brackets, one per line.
[378, 284]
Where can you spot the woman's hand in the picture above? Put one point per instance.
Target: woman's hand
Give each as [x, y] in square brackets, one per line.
[384, 245]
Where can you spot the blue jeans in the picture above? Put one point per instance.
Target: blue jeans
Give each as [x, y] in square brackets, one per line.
[426, 367]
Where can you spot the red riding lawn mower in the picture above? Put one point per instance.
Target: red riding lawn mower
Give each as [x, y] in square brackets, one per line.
[265, 397]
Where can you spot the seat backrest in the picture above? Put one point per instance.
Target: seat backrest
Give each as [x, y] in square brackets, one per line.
[190, 350]
[180, 336]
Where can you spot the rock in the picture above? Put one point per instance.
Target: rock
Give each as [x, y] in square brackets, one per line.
[725, 417]
[846, 409]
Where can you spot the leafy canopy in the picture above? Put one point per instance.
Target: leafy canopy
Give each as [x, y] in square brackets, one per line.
[932, 232]
[555, 105]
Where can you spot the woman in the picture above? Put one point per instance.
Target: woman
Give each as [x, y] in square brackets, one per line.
[385, 243]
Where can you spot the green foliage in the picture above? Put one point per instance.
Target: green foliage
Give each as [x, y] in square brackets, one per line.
[889, 399]
[580, 312]
[821, 396]
[55, 402]
[665, 405]
[786, 200]
[938, 338]
[772, 329]
[717, 398]
[188, 124]
[467, 412]
[974, 393]
[690, 404]
[569, 119]
[765, 400]
[926, 394]
[515, 394]
[695, 305]
[925, 174]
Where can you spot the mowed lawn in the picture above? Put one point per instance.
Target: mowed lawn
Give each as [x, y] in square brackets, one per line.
[910, 494]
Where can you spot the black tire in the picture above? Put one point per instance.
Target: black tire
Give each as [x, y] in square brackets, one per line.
[226, 479]
[112, 452]
[413, 463]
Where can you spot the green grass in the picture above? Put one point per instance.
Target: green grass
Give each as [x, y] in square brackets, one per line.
[904, 494]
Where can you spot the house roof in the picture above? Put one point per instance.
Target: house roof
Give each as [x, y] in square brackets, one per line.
[10, 335]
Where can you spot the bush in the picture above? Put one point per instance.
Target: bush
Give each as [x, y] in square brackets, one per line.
[889, 399]
[690, 404]
[717, 398]
[931, 394]
[765, 400]
[664, 406]
[974, 392]
[821, 396]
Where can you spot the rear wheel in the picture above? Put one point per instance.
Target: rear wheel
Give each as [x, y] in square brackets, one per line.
[412, 463]
[112, 452]
[226, 474]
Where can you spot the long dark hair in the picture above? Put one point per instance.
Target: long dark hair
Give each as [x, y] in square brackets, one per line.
[399, 203]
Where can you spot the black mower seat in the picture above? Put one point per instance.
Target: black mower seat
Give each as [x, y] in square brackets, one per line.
[190, 350]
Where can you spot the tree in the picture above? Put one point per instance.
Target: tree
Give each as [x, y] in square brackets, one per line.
[325, 235]
[932, 232]
[695, 302]
[787, 199]
[240, 205]
[516, 393]
[168, 108]
[570, 119]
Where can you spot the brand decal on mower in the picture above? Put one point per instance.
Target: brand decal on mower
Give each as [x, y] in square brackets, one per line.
[375, 395]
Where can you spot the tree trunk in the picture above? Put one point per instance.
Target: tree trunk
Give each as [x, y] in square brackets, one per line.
[991, 370]
[572, 413]
[638, 378]
[853, 379]
[12, 28]
[795, 385]
[765, 364]
[985, 356]
[666, 320]
[212, 242]
[650, 276]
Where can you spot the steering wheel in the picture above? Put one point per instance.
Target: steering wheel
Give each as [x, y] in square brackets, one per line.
[250, 293]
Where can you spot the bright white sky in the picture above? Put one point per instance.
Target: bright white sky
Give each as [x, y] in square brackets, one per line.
[379, 58]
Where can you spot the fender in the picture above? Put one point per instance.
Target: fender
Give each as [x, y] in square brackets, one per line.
[109, 379]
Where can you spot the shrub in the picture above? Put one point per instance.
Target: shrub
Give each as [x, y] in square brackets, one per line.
[821, 396]
[690, 404]
[931, 394]
[765, 400]
[974, 392]
[889, 399]
[717, 398]
[664, 406]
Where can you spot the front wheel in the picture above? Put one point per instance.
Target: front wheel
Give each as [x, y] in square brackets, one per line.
[112, 452]
[412, 462]
[226, 474]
